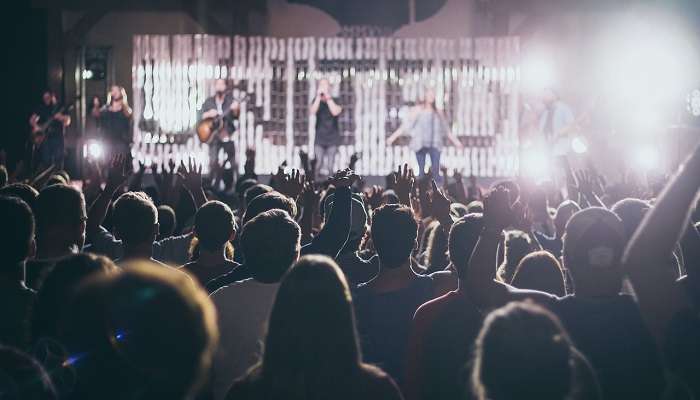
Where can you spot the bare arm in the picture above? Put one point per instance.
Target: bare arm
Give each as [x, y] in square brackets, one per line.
[652, 245]
[116, 177]
[334, 107]
[315, 105]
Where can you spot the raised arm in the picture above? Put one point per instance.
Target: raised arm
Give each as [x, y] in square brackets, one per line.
[192, 181]
[481, 272]
[116, 177]
[647, 255]
[334, 107]
[331, 239]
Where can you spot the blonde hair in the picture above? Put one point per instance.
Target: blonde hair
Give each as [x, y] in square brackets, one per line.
[125, 98]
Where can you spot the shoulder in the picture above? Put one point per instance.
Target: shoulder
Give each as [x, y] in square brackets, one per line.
[247, 387]
[542, 298]
[431, 309]
[378, 384]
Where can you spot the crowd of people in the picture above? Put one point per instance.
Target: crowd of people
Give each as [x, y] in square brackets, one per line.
[161, 284]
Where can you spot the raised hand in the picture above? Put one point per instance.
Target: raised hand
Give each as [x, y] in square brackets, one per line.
[353, 160]
[191, 175]
[117, 173]
[584, 182]
[310, 196]
[343, 178]
[374, 196]
[440, 204]
[403, 184]
[498, 213]
[291, 184]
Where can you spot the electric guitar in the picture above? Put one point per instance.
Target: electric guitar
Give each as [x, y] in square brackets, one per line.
[39, 131]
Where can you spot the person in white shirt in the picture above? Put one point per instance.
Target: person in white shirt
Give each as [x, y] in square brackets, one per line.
[270, 243]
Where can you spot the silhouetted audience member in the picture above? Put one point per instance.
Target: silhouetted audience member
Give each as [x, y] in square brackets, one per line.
[60, 228]
[167, 221]
[517, 246]
[386, 304]
[540, 271]
[444, 328]
[523, 352]
[553, 244]
[311, 347]
[270, 243]
[214, 228]
[22, 191]
[136, 224]
[16, 246]
[146, 333]
[23, 378]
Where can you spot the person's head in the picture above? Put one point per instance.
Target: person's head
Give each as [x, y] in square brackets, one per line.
[17, 235]
[116, 93]
[517, 246]
[541, 271]
[167, 221]
[3, 176]
[549, 96]
[96, 101]
[358, 223]
[48, 97]
[312, 326]
[429, 97]
[523, 352]
[389, 197]
[254, 191]
[324, 85]
[394, 232]
[242, 186]
[463, 237]
[22, 191]
[594, 242]
[220, 87]
[631, 212]
[214, 226]
[60, 219]
[511, 186]
[56, 179]
[564, 212]
[270, 243]
[475, 206]
[147, 332]
[58, 285]
[135, 219]
[269, 201]
[23, 377]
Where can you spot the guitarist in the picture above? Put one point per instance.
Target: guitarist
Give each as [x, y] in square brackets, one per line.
[556, 122]
[220, 104]
[48, 123]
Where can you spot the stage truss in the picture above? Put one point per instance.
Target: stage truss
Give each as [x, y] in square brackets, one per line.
[376, 79]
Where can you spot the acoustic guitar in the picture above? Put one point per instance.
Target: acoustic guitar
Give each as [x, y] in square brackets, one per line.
[39, 132]
[209, 128]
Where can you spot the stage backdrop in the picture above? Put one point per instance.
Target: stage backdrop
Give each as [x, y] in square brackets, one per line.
[375, 79]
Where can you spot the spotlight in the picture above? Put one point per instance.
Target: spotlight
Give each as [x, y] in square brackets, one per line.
[579, 145]
[93, 150]
[538, 72]
[87, 74]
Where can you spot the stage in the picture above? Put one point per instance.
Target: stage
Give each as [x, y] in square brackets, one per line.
[375, 79]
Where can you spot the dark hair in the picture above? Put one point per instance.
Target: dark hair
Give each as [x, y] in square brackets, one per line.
[22, 377]
[242, 185]
[524, 352]
[17, 232]
[594, 241]
[394, 231]
[57, 286]
[541, 271]
[631, 212]
[214, 225]
[135, 218]
[167, 221]
[58, 207]
[269, 201]
[463, 237]
[21, 190]
[436, 251]
[255, 191]
[259, 235]
[517, 246]
[118, 349]
[3, 176]
[564, 213]
[510, 185]
[312, 325]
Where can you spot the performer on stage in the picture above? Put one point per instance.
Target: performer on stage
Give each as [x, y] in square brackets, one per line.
[48, 123]
[115, 122]
[427, 127]
[556, 123]
[327, 137]
[221, 104]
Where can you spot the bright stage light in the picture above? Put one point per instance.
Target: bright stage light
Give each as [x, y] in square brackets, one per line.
[579, 145]
[645, 158]
[93, 150]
